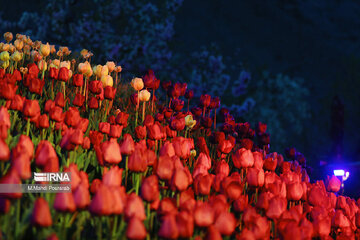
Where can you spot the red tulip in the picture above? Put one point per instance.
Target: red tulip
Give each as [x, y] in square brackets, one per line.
[134, 207]
[93, 103]
[64, 202]
[43, 121]
[79, 100]
[95, 137]
[78, 80]
[113, 176]
[53, 73]
[137, 161]
[182, 147]
[277, 206]
[4, 151]
[128, 145]
[177, 124]
[95, 87]
[213, 234]
[33, 69]
[41, 215]
[31, 108]
[110, 152]
[17, 103]
[204, 215]
[243, 158]
[168, 228]
[165, 168]
[81, 196]
[294, 191]
[64, 74]
[44, 152]
[202, 184]
[339, 220]
[140, 132]
[59, 100]
[185, 224]
[333, 184]
[11, 177]
[255, 177]
[109, 92]
[322, 227]
[150, 81]
[115, 130]
[135, 229]
[201, 144]
[72, 117]
[241, 203]
[167, 206]
[225, 223]
[7, 91]
[104, 127]
[21, 162]
[102, 202]
[205, 100]
[181, 179]
[56, 114]
[122, 119]
[96, 183]
[150, 188]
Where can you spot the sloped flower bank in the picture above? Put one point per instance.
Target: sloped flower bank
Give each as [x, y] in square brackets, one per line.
[146, 161]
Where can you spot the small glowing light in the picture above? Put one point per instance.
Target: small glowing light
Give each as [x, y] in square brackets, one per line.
[339, 172]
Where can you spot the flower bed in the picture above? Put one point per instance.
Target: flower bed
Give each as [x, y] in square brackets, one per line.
[143, 163]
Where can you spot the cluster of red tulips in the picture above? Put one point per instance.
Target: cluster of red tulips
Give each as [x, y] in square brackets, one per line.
[142, 166]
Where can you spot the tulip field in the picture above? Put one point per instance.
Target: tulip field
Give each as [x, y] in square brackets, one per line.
[147, 159]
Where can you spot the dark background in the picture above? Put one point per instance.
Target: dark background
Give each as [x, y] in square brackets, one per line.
[314, 40]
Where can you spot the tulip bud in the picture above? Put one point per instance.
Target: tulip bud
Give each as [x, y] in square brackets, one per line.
[144, 95]
[8, 36]
[4, 56]
[41, 215]
[137, 84]
[107, 80]
[16, 56]
[45, 49]
[111, 66]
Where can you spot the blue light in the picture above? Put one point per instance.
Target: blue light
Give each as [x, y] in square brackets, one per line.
[339, 172]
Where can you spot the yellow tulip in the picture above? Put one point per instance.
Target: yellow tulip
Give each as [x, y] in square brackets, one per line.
[111, 66]
[16, 56]
[137, 84]
[4, 64]
[4, 56]
[19, 44]
[97, 70]
[45, 49]
[42, 65]
[65, 64]
[189, 121]
[193, 153]
[104, 70]
[144, 95]
[107, 80]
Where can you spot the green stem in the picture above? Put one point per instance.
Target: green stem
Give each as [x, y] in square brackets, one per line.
[28, 127]
[126, 170]
[99, 229]
[137, 177]
[143, 112]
